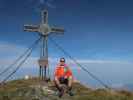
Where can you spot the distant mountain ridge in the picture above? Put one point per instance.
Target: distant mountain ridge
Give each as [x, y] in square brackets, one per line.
[129, 87]
[123, 86]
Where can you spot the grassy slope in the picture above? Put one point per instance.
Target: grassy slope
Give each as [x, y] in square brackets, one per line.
[32, 90]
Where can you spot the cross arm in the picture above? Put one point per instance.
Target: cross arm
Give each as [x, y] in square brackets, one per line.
[45, 17]
[31, 28]
[57, 30]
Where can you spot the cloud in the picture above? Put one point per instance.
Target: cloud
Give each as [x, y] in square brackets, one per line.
[10, 52]
[88, 61]
[41, 4]
[9, 49]
[102, 61]
[118, 85]
[118, 71]
[42, 1]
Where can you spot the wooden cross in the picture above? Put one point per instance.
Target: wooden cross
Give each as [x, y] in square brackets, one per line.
[44, 30]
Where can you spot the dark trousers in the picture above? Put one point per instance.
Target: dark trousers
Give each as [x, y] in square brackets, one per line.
[62, 80]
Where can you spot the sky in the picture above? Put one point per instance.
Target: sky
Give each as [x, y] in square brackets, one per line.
[98, 33]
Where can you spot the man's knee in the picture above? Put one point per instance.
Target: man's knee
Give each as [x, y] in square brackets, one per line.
[56, 80]
[70, 78]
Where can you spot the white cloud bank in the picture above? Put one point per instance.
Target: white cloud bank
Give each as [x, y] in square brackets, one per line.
[116, 71]
[9, 49]
[9, 53]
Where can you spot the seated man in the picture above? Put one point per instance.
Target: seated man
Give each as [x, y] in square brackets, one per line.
[63, 75]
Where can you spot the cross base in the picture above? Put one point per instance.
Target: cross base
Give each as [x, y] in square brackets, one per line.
[43, 63]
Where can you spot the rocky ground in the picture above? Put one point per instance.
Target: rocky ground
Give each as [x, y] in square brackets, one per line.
[34, 89]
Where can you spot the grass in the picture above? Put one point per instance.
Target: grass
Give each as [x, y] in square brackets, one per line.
[32, 90]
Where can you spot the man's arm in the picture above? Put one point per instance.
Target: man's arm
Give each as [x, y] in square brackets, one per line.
[68, 72]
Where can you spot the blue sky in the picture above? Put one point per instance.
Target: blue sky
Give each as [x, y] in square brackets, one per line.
[98, 33]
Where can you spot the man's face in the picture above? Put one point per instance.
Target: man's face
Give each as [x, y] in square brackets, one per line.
[62, 62]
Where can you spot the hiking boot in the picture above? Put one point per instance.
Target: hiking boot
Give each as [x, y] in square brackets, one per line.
[61, 93]
[70, 93]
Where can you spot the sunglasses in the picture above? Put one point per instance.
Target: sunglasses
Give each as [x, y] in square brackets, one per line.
[62, 61]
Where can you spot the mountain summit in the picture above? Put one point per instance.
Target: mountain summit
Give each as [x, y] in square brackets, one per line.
[34, 89]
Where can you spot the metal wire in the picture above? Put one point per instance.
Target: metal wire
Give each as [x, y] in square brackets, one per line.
[19, 58]
[22, 62]
[78, 64]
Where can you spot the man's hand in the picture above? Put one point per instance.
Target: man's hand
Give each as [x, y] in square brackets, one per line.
[65, 77]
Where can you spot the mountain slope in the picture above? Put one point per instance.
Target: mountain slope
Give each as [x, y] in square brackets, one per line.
[34, 89]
